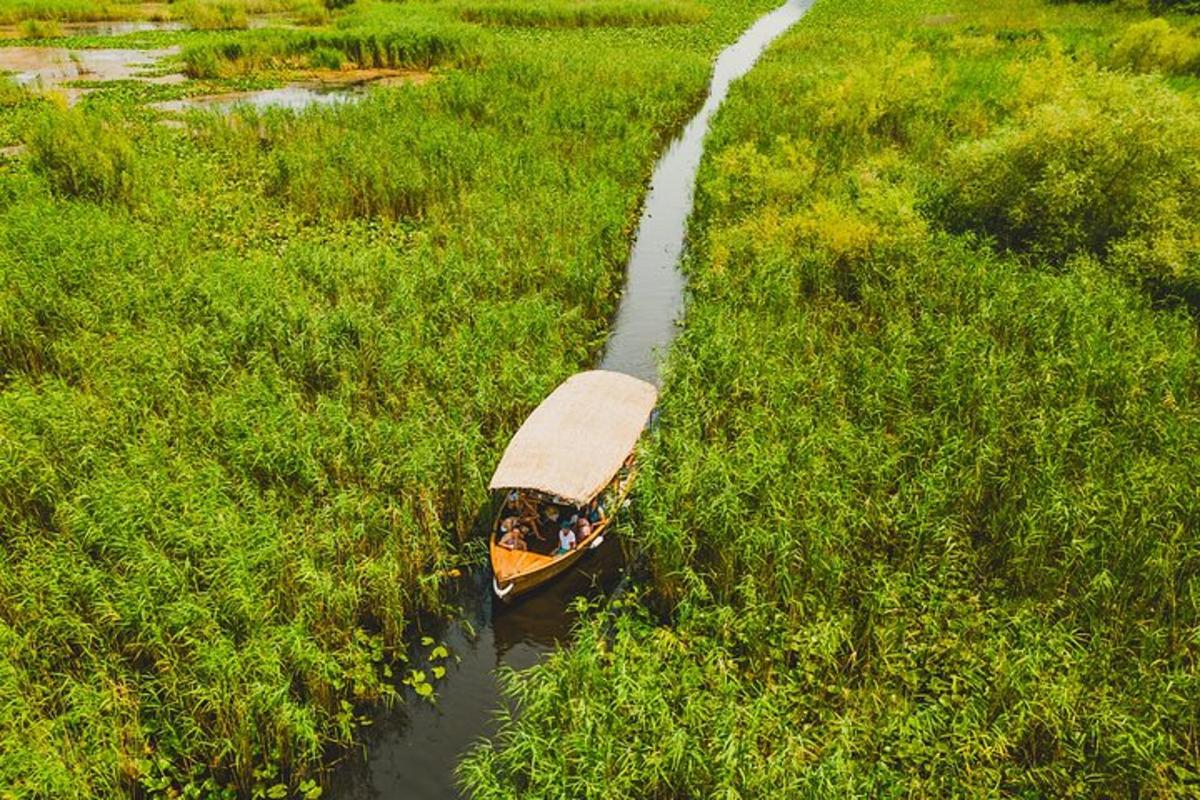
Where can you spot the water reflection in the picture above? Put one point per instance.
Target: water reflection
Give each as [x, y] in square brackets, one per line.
[412, 751]
[294, 97]
[51, 66]
[652, 302]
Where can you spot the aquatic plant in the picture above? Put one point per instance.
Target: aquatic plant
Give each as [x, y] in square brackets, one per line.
[84, 155]
[419, 46]
[1092, 163]
[1154, 45]
[63, 10]
[40, 29]
[246, 416]
[582, 13]
[212, 14]
[919, 515]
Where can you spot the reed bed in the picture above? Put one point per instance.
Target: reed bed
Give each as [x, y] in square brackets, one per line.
[920, 518]
[12, 11]
[411, 46]
[202, 14]
[583, 13]
[251, 387]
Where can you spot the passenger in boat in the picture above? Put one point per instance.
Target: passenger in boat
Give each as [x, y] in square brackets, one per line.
[585, 528]
[514, 539]
[594, 513]
[566, 539]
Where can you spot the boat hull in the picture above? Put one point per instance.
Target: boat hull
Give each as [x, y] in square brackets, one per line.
[515, 573]
[514, 586]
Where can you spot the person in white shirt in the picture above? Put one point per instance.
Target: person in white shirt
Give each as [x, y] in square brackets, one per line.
[566, 540]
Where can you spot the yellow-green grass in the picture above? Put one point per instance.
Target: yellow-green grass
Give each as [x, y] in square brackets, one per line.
[204, 14]
[582, 13]
[921, 517]
[12, 11]
[254, 373]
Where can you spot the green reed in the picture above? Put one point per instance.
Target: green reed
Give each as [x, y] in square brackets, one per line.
[920, 517]
[254, 374]
[583, 13]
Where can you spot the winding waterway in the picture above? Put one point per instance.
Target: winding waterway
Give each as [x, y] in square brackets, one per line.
[411, 751]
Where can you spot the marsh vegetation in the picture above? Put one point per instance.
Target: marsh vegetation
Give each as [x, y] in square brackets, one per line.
[921, 518]
[254, 371]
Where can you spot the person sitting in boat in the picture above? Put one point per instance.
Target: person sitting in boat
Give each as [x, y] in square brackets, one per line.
[594, 512]
[584, 525]
[566, 539]
[514, 539]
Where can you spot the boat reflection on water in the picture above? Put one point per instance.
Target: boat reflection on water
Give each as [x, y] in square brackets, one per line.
[487, 635]
[542, 620]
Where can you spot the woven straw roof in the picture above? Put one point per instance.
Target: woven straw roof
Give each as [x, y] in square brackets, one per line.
[576, 440]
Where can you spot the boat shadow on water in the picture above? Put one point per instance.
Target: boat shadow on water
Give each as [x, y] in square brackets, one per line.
[487, 634]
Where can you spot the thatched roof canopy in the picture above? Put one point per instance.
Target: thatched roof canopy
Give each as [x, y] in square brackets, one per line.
[576, 440]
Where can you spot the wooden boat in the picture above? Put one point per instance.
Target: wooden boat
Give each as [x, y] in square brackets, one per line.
[574, 450]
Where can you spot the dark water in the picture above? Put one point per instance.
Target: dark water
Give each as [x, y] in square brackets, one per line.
[411, 752]
[653, 298]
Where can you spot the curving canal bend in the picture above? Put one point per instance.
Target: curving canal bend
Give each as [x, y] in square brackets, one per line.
[411, 751]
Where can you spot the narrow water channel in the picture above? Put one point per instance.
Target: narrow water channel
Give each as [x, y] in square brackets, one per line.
[652, 302]
[411, 752]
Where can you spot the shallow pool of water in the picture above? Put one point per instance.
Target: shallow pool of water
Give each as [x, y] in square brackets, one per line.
[294, 97]
[124, 27]
[52, 66]
[120, 27]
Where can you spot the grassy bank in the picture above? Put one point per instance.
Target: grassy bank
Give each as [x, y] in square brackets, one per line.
[254, 373]
[921, 517]
[199, 13]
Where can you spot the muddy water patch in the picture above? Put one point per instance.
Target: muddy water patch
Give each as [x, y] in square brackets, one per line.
[121, 27]
[115, 27]
[47, 67]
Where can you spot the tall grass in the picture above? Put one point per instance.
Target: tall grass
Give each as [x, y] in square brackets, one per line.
[583, 13]
[420, 46]
[244, 426]
[1156, 46]
[12, 11]
[84, 156]
[209, 15]
[1092, 163]
[920, 515]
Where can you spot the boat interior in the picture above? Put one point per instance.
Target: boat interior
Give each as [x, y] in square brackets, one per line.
[529, 522]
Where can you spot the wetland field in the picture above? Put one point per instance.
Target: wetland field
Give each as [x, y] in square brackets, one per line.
[279, 279]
